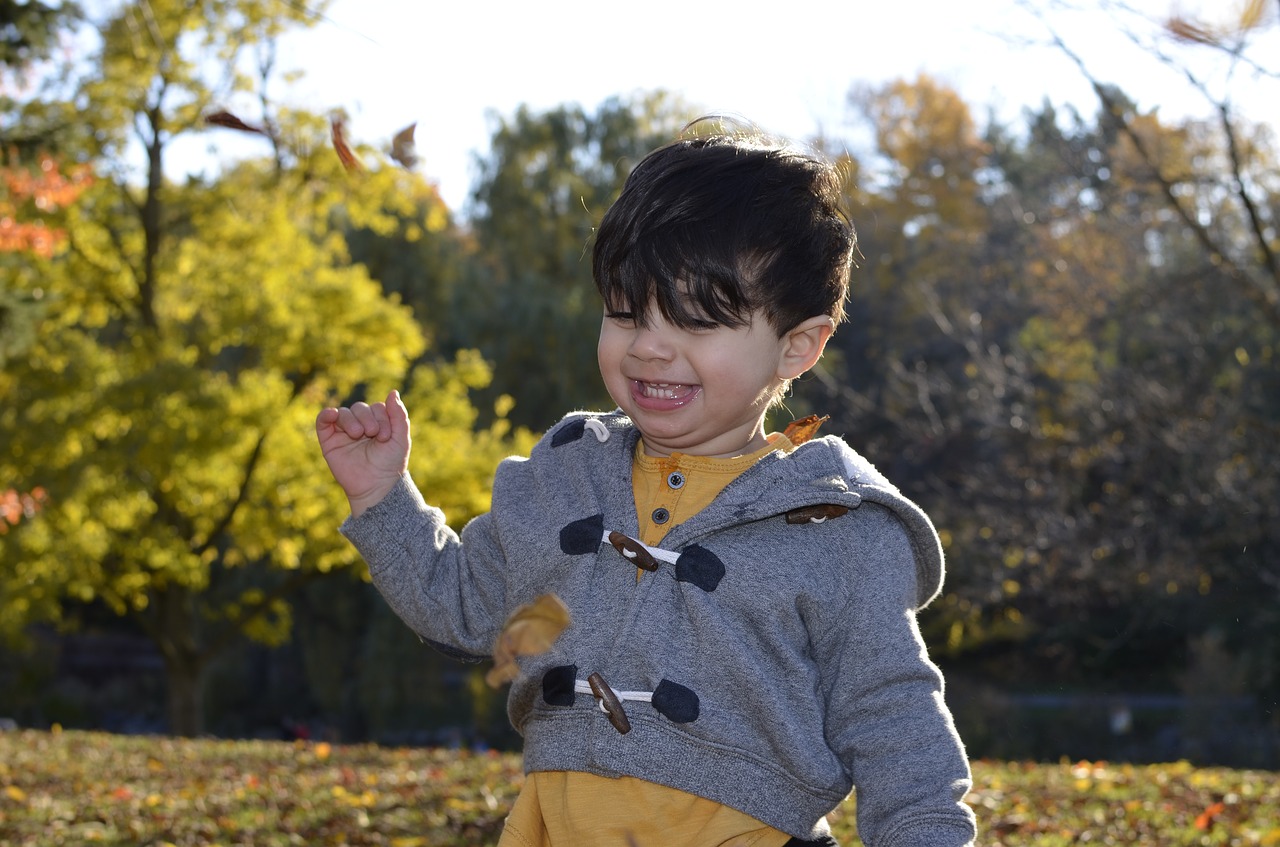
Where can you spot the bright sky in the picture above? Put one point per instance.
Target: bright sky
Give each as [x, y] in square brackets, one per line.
[787, 66]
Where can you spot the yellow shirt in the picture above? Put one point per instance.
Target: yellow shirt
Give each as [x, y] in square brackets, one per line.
[566, 809]
[682, 485]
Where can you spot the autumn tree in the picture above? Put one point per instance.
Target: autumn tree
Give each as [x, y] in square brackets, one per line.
[1209, 221]
[30, 32]
[27, 196]
[33, 184]
[166, 403]
[1053, 368]
[919, 378]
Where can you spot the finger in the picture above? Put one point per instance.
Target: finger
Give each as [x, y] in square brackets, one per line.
[366, 422]
[397, 416]
[325, 421]
[350, 423]
[380, 421]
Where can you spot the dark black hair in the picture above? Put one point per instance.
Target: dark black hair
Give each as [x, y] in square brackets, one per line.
[715, 227]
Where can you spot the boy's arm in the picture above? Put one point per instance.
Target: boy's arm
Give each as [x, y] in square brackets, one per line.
[888, 721]
[450, 590]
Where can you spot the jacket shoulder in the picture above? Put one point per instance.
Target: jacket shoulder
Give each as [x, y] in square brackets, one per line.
[601, 426]
[871, 485]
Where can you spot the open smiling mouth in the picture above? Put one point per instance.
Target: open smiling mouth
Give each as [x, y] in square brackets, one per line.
[666, 395]
[665, 390]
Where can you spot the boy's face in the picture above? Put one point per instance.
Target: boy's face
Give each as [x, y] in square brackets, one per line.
[698, 391]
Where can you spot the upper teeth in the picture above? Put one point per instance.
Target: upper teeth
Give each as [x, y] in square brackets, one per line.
[662, 389]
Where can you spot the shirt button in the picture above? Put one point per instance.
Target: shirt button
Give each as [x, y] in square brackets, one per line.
[675, 479]
[660, 516]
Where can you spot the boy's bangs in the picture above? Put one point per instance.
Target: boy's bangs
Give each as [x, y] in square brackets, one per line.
[691, 290]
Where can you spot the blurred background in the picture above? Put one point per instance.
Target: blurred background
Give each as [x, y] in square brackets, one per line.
[216, 218]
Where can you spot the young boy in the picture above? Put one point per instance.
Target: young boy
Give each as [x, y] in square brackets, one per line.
[743, 648]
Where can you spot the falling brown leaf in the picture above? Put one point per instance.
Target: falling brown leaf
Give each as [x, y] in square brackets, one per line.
[337, 127]
[1190, 31]
[802, 430]
[531, 629]
[1252, 15]
[403, 148]
[230, 121]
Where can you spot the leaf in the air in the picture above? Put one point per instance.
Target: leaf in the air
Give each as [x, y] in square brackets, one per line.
[531, 629]
[230, 121]
[337, 127]
[403, 148]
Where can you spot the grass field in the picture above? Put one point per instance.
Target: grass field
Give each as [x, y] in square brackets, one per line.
[74, 788]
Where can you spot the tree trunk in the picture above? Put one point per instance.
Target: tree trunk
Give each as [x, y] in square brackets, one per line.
[186, 696]
[174, 623]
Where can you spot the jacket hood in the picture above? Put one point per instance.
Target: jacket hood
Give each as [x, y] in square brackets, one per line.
[823, 470]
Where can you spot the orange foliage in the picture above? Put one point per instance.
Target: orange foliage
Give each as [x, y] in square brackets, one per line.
[48, 189]
[1206, 818]
[16, 505]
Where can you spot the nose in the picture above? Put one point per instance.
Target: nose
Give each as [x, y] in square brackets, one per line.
[650, 343]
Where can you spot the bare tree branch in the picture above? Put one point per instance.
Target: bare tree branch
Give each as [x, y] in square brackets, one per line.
[1265, 293]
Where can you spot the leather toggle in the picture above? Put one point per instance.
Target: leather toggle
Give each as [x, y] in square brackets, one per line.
[609, 702]
[633, 550]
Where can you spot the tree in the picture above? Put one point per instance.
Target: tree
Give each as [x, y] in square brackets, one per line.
[542, 190]
[26, 196]
[1234, 173]
[166, 404]
[29, 33]
[1060, 373]
[919, 378]
[1213, 315]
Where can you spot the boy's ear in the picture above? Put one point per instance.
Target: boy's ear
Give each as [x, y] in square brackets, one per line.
[803, 345]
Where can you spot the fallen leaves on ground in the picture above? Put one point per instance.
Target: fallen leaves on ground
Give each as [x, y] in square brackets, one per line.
[93, 788]
[81, 788]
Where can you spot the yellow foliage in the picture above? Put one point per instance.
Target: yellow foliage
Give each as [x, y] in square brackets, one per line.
[1058, 356]
[452, 462]
[178, 440]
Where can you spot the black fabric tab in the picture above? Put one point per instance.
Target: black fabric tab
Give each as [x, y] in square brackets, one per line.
[569, 433]
[822, 841]
[582, 536]
[699, 566]
[557, 685]
[675, 702]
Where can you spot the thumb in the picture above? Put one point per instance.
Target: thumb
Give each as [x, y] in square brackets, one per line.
[398, 416]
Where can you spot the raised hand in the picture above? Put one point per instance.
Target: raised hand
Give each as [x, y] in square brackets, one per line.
[366, 447]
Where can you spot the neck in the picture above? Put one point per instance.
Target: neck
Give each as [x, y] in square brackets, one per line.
[757, 441]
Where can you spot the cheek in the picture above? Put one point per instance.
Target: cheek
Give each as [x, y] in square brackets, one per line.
[609, 352]
[750, 370]
[602, 345]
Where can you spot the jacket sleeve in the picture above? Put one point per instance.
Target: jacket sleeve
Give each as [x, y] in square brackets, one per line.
[449, 589]
[887, 719]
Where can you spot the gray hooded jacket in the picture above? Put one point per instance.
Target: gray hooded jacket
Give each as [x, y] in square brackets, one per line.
[770, 662]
